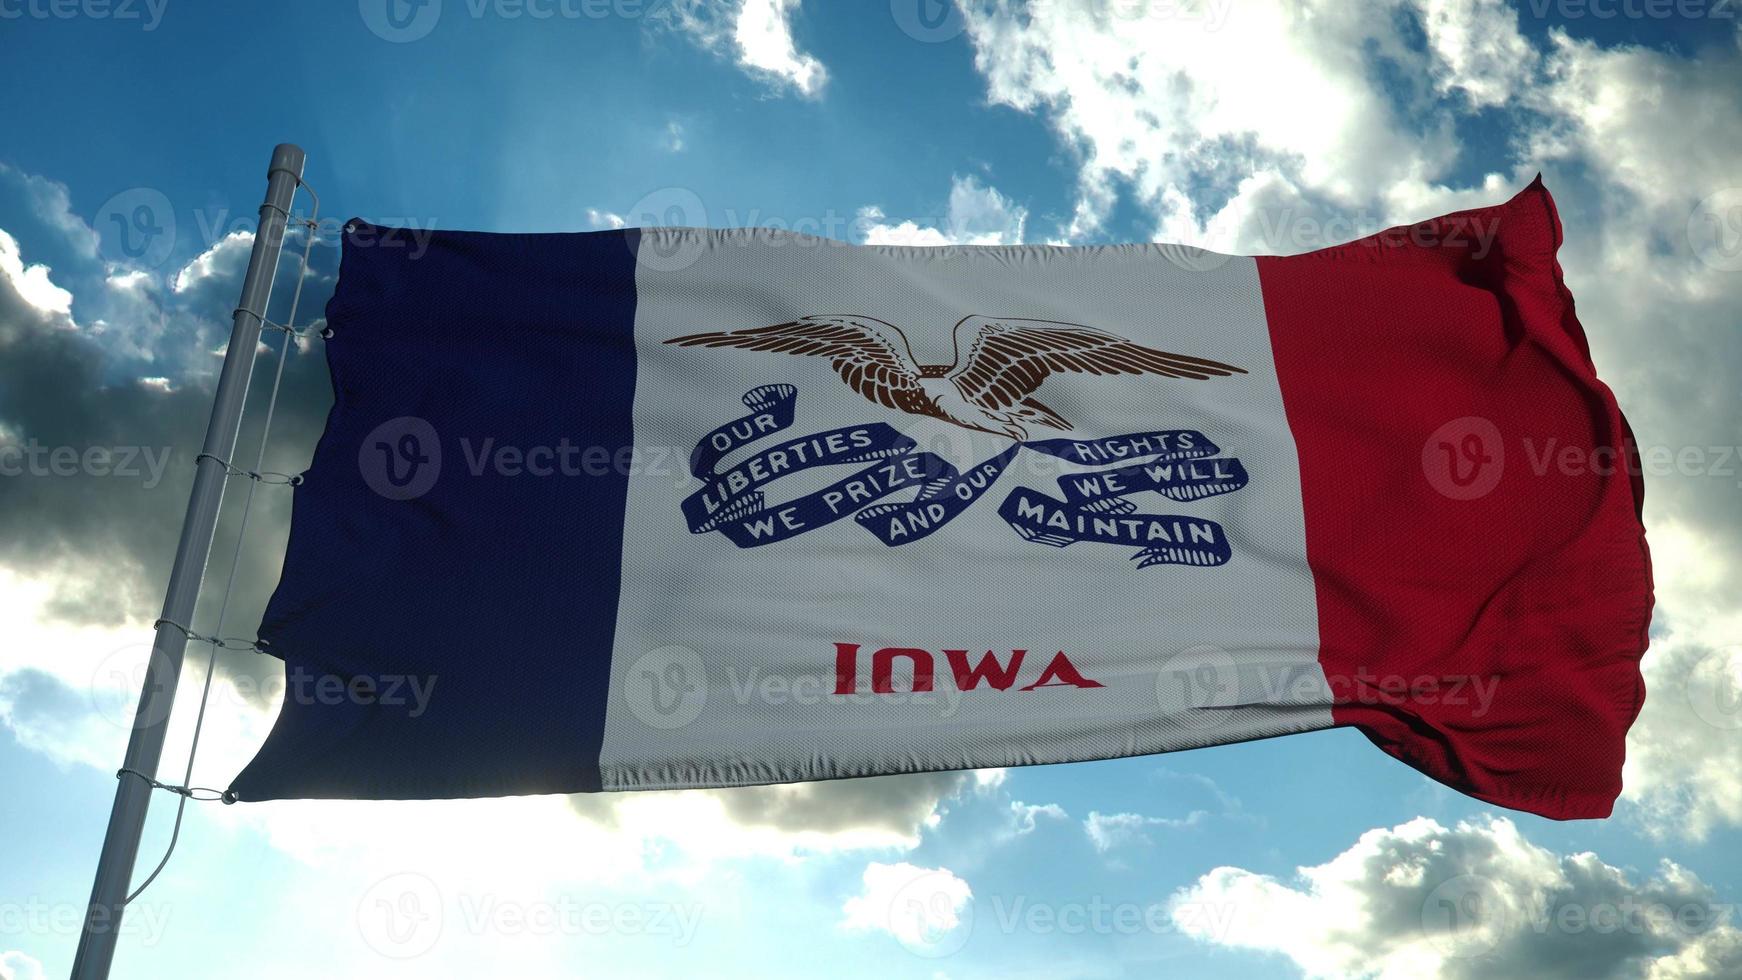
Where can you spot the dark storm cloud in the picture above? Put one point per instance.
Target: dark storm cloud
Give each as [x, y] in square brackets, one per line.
[98, 467]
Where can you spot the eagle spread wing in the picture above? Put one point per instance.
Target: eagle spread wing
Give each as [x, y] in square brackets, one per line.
[1000, 361]
[870, 355]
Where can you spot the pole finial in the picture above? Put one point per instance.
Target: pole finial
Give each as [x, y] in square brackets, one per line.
[288, 157]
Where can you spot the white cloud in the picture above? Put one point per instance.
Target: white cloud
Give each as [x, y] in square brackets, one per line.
[19, 966]
[763, 33]
[1160, 101]
[987, 780]
[976, 215]
[597, 219]
[223, 262]
[120, 307]
[1719, 955]
[68, 690]
[758, 34]
[131, 280]
[51, 202]
[1478, 49]
[1025, 817]
[1475, 900]
[32, 283]
[1684, 754]
[1109, 831]
[915, 905]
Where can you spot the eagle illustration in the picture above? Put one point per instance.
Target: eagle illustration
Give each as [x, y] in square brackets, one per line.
[1000, 362]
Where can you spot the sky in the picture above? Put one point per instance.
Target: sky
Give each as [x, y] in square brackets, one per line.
[134, 137]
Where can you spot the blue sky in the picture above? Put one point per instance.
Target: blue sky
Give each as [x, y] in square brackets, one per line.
[1246, 126]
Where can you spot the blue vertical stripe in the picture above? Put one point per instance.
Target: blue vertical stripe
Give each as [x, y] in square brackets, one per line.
[449, 597]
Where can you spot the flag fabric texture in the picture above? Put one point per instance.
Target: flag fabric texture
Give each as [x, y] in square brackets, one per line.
[665, 508]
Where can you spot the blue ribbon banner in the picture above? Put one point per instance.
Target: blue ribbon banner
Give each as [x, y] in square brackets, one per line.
[1179, 464]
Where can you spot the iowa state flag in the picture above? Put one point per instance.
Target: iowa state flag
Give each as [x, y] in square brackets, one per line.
[665, 508]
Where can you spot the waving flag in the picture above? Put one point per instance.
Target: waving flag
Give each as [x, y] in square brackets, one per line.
[667, 508]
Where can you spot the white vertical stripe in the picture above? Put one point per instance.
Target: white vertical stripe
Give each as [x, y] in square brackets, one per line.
[1187, 656]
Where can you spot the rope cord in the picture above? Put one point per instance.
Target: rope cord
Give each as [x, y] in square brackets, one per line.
[186, 791]
[258, 476]
[222, 643]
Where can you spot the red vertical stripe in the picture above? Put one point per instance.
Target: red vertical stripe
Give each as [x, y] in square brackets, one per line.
[1472, 520]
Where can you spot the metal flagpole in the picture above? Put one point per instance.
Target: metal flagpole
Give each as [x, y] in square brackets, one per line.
[151, 721]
